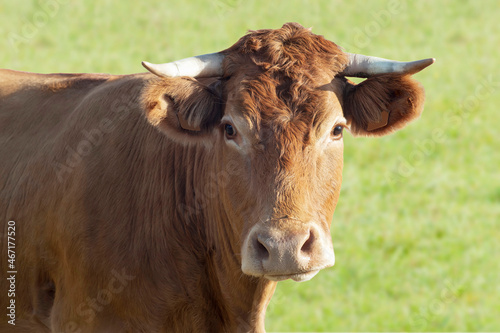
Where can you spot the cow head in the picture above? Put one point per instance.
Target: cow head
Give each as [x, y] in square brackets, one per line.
[276, 106]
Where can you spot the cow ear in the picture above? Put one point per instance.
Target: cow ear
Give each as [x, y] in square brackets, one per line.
[382, 104]
[182, 108]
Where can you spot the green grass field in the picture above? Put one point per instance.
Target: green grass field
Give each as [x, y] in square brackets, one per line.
[416, 232]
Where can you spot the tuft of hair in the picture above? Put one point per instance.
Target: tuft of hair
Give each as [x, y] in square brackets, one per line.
[291, 50]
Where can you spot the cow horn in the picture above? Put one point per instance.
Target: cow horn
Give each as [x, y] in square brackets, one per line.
[206, 65]
[365, 66]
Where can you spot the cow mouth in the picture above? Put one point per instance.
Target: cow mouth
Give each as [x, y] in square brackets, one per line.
[298, 277]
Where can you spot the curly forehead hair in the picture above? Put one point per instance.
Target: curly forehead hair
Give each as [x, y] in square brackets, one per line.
[281, 67]
[292, 51]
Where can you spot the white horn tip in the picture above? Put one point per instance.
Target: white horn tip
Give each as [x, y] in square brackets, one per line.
[155, 69]
[205, 65]
[146, 65]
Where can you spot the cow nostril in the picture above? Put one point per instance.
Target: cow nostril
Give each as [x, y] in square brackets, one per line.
[307, 246]
[262, 251]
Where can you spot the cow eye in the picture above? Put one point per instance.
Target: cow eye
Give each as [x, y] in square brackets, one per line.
[230, 131]
[337, 132]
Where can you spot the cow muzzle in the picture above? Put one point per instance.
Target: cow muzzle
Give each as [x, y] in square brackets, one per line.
[286, 249]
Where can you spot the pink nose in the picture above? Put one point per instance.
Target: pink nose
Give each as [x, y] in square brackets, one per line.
[280, 253]
[295, 253]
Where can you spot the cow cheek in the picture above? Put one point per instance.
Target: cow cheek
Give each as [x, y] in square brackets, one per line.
[330, 182]
[235, 191]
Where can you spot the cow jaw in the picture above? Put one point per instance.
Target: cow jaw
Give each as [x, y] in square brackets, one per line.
[286, 249]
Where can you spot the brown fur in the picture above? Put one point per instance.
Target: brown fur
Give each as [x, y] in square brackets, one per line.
[181, 104]
[401, 96]
[157, 205]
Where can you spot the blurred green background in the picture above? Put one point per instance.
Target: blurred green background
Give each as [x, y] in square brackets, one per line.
[416, 232]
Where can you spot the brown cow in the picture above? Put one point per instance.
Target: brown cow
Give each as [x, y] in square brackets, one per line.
[155, 203]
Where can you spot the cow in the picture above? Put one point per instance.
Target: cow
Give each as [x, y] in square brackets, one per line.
[176, 199]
